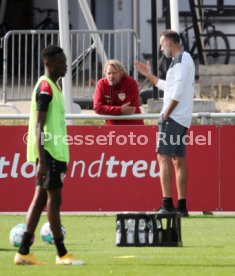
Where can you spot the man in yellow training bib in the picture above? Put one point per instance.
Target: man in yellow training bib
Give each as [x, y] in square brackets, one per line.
[47, 120]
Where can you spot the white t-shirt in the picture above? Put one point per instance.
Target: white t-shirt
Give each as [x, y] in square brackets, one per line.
[179, 86]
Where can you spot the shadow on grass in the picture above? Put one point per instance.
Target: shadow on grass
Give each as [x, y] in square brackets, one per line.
[202, 246]
[8, 250]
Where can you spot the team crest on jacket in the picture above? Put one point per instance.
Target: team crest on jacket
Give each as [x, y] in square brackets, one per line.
[122, 96]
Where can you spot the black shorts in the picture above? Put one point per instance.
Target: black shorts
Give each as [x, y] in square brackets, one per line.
[171, 140]
[55, 173]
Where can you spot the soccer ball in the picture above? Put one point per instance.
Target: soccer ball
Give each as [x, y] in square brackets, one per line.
[16, 235]
[46, 233]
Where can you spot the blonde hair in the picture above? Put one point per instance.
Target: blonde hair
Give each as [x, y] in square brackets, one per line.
[116, 64]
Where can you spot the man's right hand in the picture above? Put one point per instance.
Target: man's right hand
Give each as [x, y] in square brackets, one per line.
[41, 171]
[144, 69]
[126, 109]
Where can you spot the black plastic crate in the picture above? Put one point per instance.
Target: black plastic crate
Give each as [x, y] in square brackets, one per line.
[141, 229]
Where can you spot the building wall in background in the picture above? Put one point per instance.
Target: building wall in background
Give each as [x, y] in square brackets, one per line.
[116, 14]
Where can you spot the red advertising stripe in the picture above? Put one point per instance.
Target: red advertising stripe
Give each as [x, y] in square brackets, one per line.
[114, 168]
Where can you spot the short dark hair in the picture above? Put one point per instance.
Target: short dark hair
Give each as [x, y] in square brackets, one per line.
[172, 35]
[50, 51]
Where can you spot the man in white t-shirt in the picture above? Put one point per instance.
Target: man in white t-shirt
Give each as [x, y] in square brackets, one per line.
[175, 119]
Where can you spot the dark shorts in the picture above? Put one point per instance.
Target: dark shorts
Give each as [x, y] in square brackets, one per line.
[171, 139]
[55, 173]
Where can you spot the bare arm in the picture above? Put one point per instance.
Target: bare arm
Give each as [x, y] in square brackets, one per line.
[170, 108]
[41, 119]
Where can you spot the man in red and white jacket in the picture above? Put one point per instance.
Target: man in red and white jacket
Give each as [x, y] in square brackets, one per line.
[117, 94]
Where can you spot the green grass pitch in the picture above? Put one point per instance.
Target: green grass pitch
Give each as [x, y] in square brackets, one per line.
[208, 249]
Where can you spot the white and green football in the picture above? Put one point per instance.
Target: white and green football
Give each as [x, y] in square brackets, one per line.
[47, 235]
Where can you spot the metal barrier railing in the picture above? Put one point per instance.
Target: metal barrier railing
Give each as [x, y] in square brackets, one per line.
[204, 117]
[22, 63]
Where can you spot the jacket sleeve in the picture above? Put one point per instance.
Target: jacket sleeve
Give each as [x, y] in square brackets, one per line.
[134, 93]
[99, 105]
